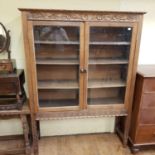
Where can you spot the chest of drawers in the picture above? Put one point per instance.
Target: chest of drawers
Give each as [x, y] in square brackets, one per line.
[12, 93]
[142, 129]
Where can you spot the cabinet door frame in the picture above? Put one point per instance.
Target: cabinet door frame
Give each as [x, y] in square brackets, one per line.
[32, 60]
[131, 63]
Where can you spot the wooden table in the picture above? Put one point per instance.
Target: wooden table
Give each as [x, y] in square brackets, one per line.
[24, 115]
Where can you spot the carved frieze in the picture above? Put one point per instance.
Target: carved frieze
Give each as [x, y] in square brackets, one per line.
[82, 16]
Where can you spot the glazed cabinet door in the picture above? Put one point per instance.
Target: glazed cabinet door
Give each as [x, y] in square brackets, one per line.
[58, 56]
[109, 61]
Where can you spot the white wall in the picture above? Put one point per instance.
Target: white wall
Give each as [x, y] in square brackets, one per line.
[147, 48]
[11, 126]
[10, 16]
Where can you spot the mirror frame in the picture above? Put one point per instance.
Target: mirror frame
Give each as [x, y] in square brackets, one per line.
[5, 47]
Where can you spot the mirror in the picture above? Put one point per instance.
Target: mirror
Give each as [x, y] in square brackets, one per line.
[4, 40]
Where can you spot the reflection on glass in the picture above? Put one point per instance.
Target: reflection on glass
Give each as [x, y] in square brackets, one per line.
[57, 43]
[56, 34]
[53, 34]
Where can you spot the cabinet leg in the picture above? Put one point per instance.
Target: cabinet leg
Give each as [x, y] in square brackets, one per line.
[121, 129]
[38, 128]
[26, 134]
[134, 149]
[35, 137]
[126, 130]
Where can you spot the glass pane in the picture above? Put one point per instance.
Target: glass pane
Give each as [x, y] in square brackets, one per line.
[101, 96]
[109, 50]
[57, 43]
[99, 34]
[57, 62]
[58, 98]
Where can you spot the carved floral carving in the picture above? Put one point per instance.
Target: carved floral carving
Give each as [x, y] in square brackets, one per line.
[82, 16]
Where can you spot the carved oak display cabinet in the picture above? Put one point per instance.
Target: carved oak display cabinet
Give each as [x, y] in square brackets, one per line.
[81, 63]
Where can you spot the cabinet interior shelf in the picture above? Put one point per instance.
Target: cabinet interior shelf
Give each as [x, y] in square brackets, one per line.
[109, 43]
[57, 62]
[105, 84]
[107, 61]
[103, 101]
[76, 61]
[77, 42]
[75, 85]
[57, 42]
[58, 103]
[58, 85]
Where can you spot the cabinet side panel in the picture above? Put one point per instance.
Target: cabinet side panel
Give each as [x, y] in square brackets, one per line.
[136, 106]
[134, 69]
[32, 65]
[28, 62]
[30, 82]
[125, 122]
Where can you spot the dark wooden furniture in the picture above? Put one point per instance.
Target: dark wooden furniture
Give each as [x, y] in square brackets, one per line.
[12, 94]
[7, 65]
[24, 115]
[81, 63]
[142, 130]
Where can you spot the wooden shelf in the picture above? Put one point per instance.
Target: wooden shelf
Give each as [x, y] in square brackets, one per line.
[57, 62]
[104, 101]
[110, 43]
[57, 103]
[57, 42]
[58, 85]
[107, 61]
[105, 84]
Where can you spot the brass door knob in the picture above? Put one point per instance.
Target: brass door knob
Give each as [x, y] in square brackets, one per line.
[83, 70]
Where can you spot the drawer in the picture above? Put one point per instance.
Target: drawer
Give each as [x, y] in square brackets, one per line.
[3, 67]
[7, 88]
[6, 67]
[145, 134]
[149, 85]
[148, 100]
[147, 116]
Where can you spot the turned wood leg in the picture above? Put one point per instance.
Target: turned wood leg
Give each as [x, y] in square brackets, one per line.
[26, 134]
